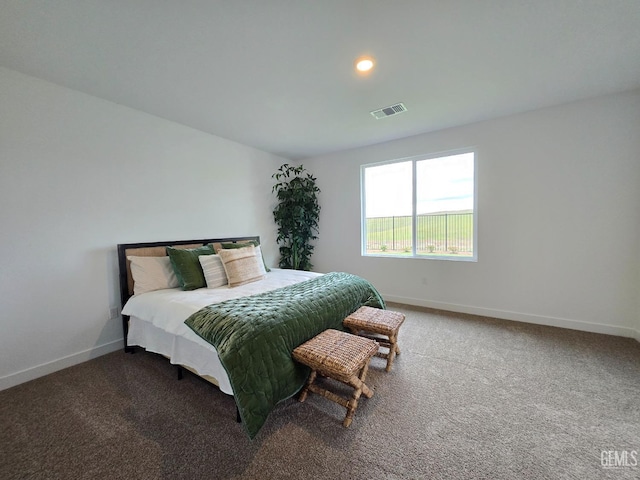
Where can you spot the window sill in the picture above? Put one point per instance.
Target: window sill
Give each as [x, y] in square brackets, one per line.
[452, 258]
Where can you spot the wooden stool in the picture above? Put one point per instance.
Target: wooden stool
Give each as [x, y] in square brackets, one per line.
[341, 356]
[377, 322]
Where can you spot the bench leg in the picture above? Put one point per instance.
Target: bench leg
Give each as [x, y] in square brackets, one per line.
[351, 407]
[393, 351]
[305, 390]
[363, 376]
[360, 388]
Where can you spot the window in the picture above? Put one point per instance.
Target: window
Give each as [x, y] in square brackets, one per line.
[420, 207]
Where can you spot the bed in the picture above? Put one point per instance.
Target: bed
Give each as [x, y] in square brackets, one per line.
[240, 338]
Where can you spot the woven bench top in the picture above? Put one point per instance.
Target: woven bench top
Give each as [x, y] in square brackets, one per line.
[375, 320]
[335, 352]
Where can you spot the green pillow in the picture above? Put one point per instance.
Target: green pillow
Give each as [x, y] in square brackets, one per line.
[187, 266]
[245, 244]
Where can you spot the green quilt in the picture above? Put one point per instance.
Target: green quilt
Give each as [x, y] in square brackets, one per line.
[254, 336]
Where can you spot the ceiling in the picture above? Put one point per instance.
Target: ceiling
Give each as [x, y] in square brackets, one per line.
[278, 75]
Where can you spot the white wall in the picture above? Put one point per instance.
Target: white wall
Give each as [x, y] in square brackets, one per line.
[79, 175]
[558, 211]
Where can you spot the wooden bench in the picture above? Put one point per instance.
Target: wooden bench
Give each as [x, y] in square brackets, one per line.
[380, 325]
[341, 356]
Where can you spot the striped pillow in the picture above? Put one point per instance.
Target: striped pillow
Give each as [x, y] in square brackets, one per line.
[239, 244]
[242, 265]
[213, 270]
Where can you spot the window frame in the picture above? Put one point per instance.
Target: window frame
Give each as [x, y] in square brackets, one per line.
[414, 217]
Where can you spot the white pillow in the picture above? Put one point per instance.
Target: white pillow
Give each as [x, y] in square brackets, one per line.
[242, 265]
[213, 270]
[263, 266]
[152, 273]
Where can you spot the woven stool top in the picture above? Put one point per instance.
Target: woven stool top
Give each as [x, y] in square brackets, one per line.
[334, 352]
[375, 320]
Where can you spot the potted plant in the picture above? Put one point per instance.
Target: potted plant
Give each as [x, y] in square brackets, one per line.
[296, 215]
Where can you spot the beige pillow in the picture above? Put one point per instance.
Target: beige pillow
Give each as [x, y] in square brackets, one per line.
[242, 265]
[152, 273]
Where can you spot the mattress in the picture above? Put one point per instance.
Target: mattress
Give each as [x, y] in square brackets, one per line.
[157, 321]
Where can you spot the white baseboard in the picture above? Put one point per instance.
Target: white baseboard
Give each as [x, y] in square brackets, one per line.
[520, 317]
[46, 368]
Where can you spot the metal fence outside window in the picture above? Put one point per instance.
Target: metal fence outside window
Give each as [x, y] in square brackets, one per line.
[441, 233]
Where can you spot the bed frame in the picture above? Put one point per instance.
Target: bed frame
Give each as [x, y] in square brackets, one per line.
[154, 249]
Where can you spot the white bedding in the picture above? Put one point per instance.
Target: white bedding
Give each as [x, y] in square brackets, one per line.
[157, 321]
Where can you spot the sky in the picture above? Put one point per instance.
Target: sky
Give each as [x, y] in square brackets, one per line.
[443, 184]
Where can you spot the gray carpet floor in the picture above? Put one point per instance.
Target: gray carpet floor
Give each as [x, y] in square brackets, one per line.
[469, 398]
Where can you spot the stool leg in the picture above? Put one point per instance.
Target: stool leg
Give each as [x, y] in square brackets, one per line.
[351, 408]
[391, 356]
[305, 390]
[363, 376]
[393, 351]
[360, 388]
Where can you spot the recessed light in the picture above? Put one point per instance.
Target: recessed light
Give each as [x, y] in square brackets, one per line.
[364, 64]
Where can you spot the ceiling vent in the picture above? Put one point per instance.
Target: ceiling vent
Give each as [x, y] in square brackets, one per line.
[388, 111]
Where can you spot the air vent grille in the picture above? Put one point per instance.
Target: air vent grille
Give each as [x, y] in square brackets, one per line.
[388, 111]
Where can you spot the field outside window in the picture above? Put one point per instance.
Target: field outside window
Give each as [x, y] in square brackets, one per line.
[420, 207]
